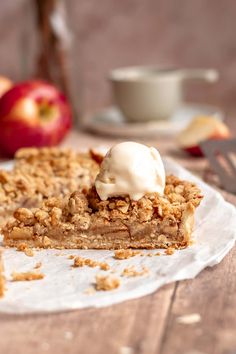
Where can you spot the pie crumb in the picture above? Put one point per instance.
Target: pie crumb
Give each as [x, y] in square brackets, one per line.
[125, 254]
[104, 266]
[90, 291]
[157, 254]
[106, 282]
[81, 262]
[132, 272]
[71, 256]
[22, 247]
[169, 251]
[27, 276]
[38, 265]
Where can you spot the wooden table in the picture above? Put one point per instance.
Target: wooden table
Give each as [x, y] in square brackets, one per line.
[144, 326]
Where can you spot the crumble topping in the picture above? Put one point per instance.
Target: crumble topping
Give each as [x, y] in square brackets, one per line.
[26, 276]
[106, 282]
[42, 173]
[125, 254]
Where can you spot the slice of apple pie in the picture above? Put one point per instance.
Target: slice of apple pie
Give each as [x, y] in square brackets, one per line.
[85, 221]
[131, 205]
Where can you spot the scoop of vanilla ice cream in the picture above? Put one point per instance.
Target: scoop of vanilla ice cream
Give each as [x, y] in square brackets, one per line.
[130, 169]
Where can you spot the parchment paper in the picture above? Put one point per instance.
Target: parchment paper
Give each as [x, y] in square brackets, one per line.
[64, 287]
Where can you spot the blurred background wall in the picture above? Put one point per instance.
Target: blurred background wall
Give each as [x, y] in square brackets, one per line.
[111, 33]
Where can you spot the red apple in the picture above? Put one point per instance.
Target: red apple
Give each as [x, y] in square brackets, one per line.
[33, 113]
[5, 84]
[200, 129]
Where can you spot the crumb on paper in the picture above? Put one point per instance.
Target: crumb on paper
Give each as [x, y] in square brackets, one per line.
[26, 276]
[89, 291]
[71, 256]
[104, 266]
[189, 319]
[22, 247]
[150, 254]
[132, 272]
[81, 262]
[38, 265]
[157, 254]
[169, 251]
[125, 254]
[106, 282]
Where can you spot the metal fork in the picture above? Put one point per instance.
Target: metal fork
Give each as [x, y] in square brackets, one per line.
[221, 155]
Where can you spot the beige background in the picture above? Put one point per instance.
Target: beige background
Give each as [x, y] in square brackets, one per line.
[111, 33]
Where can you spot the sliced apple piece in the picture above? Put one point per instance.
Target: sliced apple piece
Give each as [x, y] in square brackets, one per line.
[200, 129]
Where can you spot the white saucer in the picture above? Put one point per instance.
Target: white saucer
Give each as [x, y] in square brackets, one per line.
[111, 122]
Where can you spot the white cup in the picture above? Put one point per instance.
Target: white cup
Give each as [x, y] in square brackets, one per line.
[150, 93]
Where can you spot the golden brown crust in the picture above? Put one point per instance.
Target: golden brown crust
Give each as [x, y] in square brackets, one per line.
[84, 221]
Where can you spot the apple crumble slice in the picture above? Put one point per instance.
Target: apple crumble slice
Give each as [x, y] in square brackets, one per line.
[84, 221]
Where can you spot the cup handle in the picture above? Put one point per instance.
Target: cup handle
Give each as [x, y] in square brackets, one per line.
[209, 75]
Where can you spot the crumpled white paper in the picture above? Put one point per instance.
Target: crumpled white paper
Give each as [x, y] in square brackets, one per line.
[64, 287]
